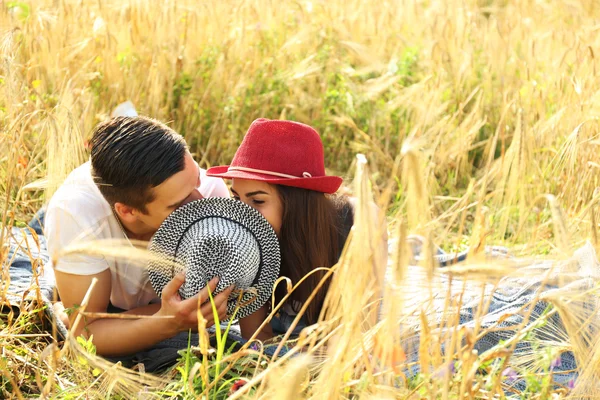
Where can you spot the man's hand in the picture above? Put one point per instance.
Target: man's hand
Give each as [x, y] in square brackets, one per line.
[185, 312]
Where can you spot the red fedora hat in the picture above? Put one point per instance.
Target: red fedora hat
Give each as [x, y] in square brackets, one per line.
[282, 153]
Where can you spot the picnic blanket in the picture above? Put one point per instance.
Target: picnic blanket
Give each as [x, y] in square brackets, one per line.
[508, 308]
[516, 304]
[24, 272]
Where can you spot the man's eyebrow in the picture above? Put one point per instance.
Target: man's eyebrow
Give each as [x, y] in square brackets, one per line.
[177, 203]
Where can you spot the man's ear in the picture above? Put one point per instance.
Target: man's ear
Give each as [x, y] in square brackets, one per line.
[126, 213]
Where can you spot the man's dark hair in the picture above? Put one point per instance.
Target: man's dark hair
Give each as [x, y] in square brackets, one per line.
[132, 155]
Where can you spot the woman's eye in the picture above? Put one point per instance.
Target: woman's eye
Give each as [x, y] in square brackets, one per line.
[257, 201]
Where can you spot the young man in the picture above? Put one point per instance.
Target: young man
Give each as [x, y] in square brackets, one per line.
[140, 171]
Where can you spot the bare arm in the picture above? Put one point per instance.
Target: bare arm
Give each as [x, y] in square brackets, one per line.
[114, 337]
[150, 309]
[252, 322]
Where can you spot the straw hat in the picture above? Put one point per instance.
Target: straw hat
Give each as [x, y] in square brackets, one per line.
[217, 237]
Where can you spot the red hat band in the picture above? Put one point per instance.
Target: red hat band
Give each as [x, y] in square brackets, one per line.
[265, 172]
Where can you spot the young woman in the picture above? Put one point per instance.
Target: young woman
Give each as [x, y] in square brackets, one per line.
[279, 170]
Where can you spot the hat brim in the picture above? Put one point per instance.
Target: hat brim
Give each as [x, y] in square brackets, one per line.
[325, 184]
[165, 245]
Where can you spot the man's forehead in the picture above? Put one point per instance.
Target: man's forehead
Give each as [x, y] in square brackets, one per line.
[177, 187]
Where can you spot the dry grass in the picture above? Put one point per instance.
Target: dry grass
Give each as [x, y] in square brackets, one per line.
[479, 119]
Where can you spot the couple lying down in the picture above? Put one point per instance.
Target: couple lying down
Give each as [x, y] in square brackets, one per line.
[142, 184]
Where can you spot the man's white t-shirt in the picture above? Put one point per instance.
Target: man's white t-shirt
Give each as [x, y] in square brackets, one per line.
[79, 213]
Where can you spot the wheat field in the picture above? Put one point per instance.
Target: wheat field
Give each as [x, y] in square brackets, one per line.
[475, 122]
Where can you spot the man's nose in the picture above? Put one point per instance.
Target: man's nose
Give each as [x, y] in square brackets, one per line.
[195, 195]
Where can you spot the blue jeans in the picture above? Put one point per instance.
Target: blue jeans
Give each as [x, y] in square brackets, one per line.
[282, 321]
[167, 352]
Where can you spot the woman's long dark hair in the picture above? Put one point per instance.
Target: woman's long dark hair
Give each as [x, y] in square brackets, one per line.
[313, 231]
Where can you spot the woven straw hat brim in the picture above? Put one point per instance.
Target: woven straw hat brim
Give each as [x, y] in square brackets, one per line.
[165, 245]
